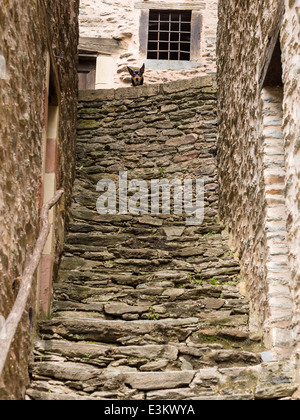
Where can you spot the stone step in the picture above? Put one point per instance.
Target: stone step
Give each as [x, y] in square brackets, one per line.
[103, 264]
[228, 338]
[89, 220]
[142, 280]
[126, 278]
[71, 381]
[119, 332]
[209, 310]
[196, 268]
[105, 355]
[197, 243]
[34, 394]
[144, 358]
[152, 300]
[196, 254]
[143, 249]
[82, 376]
[194, 332]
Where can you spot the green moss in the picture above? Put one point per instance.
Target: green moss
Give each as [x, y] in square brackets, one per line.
[214, 282]
[179, 286]
[87, 357]
[152, 315]
[208, 339]
[87, 124]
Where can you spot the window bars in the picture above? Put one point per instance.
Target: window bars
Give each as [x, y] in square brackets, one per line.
[169, 36]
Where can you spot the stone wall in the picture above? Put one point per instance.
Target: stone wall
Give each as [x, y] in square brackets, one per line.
[120, 20]
[162, 131]
[32, 36]
[253, 160]
[153, 132]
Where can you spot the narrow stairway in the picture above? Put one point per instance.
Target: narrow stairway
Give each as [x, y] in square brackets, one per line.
[145, 307]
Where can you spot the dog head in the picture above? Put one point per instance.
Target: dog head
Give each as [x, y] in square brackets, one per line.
[137, 76]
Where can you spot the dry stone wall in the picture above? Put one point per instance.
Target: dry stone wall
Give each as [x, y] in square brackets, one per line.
[25, 37]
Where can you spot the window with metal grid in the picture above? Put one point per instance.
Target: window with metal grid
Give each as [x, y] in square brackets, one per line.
[169, 36]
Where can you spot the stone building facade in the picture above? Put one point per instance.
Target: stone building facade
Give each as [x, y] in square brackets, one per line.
[258, 67]
[38, 85]
[120, 33]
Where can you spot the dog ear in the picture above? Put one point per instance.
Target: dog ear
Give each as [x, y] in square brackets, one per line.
[142, 69]
[130, 71]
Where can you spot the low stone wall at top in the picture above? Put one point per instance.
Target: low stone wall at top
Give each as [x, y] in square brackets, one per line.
[158, 131]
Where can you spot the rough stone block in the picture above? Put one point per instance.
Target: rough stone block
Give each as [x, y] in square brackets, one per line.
[159, 380]
[98, 95]
[182, 85]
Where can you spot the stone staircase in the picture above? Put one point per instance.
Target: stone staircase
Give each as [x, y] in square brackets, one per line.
[146, 307]
[136, 319]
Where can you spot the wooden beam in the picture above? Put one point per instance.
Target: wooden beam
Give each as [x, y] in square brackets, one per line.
[162, 5]
[100, 45]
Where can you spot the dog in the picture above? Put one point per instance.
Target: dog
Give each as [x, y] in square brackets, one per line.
[137, 76]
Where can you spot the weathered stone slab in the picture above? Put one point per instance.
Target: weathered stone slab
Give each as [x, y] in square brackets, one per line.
[154, 366]
[90, 352]
[120, 331]
[96, 95]
[65, 371]
[119, 309]
[137, 92]
[168, 352]
[181, 141]
[181, 85]
[276, 380]
[159, 380]
[50, 396]
[174, 231]
[172, 394]
[152, 221]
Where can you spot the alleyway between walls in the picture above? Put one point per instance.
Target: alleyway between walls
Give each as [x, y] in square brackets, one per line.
[147, 306]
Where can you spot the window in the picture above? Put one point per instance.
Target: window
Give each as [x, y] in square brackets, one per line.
[169, 35]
